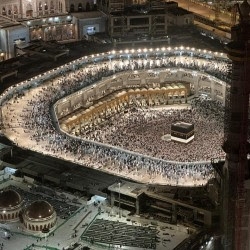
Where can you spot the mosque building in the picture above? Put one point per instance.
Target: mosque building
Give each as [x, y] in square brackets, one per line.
[39, 216]
[10, 205]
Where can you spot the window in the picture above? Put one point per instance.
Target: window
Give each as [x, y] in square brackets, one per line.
[40, 6]
[46, 6]
[3, 11]
[15, 10]
[72, 8]
[52, 5]
[9, 11]
[60, 6]
[29, 11]
[80, 7]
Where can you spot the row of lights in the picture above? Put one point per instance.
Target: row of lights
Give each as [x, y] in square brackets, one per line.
[51, 19]
[145, 50]
[164, 49]
[131, 51]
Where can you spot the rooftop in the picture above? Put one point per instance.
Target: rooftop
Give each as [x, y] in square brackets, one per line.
[184, 125]
[89, 14]
[39, 209]
[9, 198]
[127, 188]
[7, 22]
[178, 11]
[41, 48]
[191, 196]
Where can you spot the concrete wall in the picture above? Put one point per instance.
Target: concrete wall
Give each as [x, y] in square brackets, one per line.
[8, 37]
[99, 24]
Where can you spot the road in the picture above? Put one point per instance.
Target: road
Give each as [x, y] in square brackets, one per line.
[204, 10]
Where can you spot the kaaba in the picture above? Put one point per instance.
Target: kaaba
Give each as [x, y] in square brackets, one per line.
[182, 132]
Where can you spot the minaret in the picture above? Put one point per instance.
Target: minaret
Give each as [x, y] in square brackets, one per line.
[234, 205]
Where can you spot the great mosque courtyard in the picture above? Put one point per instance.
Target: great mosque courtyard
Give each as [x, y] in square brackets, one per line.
[31, 121]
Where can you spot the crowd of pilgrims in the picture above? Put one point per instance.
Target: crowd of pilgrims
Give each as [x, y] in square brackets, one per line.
[141, 130]
[40, 125]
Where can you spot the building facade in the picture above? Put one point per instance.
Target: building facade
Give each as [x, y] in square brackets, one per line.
[26, 9]
[143, 17]
[235, 212]
[80, 5]
[72, 20]
[10, 36]
[22, 21]
[153, 202]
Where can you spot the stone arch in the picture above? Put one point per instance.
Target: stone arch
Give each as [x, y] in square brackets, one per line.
[183, 93]
[40, 6]
[29, 10]
[177, 93]
[87, 6]
[3, 11]
[46, 7]
[52, 6]
[80, 8]
[72, 7]
[15, 10]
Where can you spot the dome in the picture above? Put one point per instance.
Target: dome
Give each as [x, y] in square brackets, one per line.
[39, 210]
[9, 198]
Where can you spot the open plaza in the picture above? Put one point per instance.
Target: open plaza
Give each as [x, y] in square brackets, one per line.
[81, 223]
[31, 121]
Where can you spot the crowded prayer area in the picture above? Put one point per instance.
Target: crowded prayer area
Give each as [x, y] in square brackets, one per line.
[29, 121]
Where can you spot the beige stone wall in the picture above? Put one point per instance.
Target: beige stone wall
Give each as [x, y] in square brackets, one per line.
[17, 9]
[39, 224]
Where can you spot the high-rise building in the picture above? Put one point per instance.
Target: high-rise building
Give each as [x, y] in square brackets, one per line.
[151, 18]
[235, 191]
